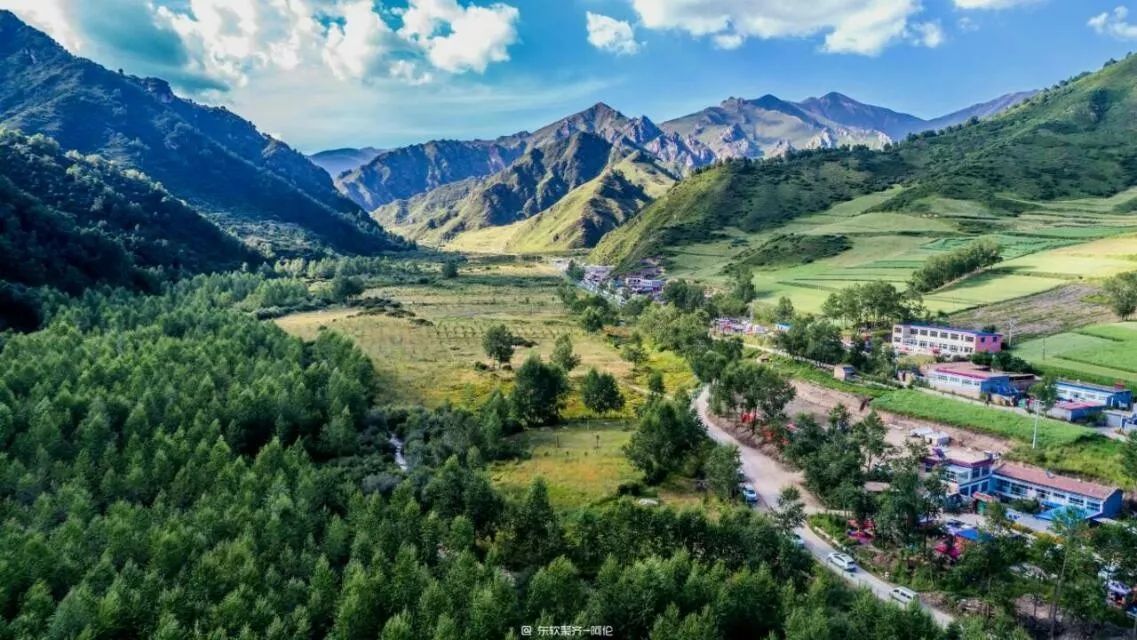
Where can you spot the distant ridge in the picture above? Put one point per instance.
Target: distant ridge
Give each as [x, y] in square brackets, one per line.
[264, 191]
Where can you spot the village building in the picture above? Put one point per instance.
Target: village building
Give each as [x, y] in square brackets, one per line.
[976, 381]
[1054, 492]
[983, 476]
[737, 327]
[943, 341]
[967, 472]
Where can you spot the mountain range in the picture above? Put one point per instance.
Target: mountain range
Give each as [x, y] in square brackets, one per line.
[249, 183]
[1074, 140]
[337, 161]
[437, 191]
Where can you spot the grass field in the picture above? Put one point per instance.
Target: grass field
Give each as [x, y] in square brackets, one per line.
[429, 358]
[911, 402]
[1100, 353]
[582, 463]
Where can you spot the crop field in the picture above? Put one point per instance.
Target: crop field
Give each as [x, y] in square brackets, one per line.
[582, 463]
[1098, 353]
[430, 357]
[1063, 309]
[1051, 245]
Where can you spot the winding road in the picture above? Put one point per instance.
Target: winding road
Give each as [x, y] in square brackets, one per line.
[769, 477]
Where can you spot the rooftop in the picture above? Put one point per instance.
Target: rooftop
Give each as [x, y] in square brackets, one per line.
[1044, 478]
[968, 370]
[964, 457]
[952, 329]
[1089, 385]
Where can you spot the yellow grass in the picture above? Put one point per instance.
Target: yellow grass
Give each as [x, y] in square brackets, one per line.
[581, 464]
[434, 363]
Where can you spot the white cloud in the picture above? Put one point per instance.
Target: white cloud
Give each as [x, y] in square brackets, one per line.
[928, 34]
[210, 45]
[991, 4]
[50, 16]
[355, 46]
[849, 26]
[611, 35]
[1114, 23]
[457, 38]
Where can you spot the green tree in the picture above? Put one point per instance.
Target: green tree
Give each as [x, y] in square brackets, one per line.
[1121, 292]
[665, 437]
[539, 392]
[742, 284]
[655, 385]
[600, 392]
[563, 355]
[784, 311]
[747, 386]
[790, 511]
[592, 320]
[634, 354]
[498, 343]
[449, 271]
[722, 468]
[574, 271]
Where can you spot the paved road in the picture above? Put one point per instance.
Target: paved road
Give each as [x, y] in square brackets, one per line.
[769, 477]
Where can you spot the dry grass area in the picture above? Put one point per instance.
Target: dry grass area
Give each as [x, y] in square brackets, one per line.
[430, 357]
[1066, 308]
[582, 463]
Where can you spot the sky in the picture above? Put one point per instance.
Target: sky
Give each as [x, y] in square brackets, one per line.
[322, 74]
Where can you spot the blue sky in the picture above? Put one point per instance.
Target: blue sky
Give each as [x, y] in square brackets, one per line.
[328, 73]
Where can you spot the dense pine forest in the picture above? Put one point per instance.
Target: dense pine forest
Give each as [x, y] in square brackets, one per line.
[173, 467]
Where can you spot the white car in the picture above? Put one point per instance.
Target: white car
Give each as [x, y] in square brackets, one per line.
[842, 561]
[903, 595]
[748, 494]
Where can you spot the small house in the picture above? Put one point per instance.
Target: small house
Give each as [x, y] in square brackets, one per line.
[1115, 397]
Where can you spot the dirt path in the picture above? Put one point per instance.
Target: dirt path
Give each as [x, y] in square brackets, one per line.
[816, 401]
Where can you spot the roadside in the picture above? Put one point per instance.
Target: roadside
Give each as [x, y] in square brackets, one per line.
[769, 477]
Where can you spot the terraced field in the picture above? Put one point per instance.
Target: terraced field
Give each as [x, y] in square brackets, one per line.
[1051, 245]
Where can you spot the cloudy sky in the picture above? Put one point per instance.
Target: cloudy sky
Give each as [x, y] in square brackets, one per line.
[329, 73]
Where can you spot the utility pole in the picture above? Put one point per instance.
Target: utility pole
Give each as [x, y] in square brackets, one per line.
[1034, 439]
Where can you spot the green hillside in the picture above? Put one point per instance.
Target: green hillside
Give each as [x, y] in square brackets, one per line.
[1073, 141]
[72, 222]
[251, 183]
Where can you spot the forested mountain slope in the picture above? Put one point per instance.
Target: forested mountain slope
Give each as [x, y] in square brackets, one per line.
[266, 192]
[71, 222]
[1074, 140]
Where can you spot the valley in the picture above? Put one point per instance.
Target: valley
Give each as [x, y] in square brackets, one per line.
[804, 369]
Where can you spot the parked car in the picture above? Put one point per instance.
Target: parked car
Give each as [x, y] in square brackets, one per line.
[748, 494]
[842, 561]
[797, 539]
[903, 595]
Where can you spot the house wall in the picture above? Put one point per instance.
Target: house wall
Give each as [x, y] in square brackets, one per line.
[962, 385]
[1113, 398]
[1017, 489]
[943, 341]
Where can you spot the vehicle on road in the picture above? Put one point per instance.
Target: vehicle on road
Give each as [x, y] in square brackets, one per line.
[748, 494]
[797, 539]
[842, 561]
[903, 595]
